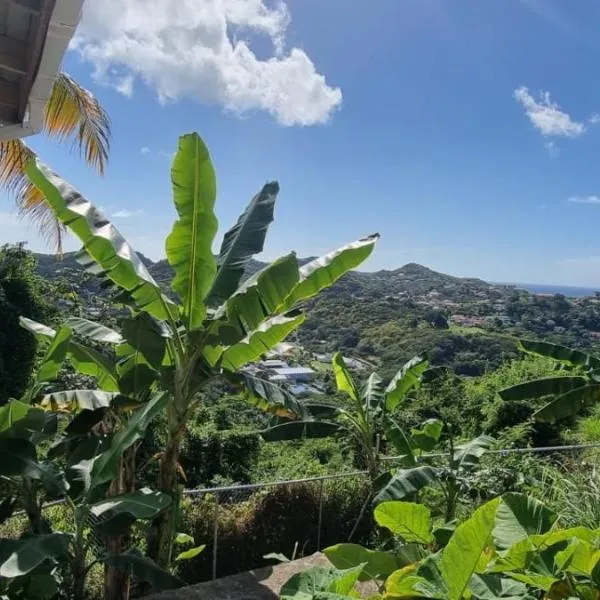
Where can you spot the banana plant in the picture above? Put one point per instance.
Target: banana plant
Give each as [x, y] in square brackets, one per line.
[218, 323]
[509, 548]
[367, 421]
[577, 385]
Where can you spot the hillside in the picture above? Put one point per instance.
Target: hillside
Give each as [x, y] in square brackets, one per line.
[388, 316]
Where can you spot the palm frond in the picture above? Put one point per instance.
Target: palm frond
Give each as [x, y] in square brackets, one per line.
[14, 156]
[72, 110]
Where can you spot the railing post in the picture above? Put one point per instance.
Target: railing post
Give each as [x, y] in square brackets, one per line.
[320, 522]
[215, 537]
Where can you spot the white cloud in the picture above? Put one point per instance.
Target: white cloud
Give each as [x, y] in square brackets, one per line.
[552, 148]
[127, 214]
[584, 199]
[145, 150]
[546, 116]
[202, 49]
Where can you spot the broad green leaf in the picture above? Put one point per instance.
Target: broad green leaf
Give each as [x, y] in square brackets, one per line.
[569, 404]
[146, 335]
[272, 398]
[7, 507]
[136, 376]
[321, 583]
[463, 554]
[260, 341]
[72, 400]
[19, 557]
[183, 539]
[144, 569]
[410, 521]
[191, 553]
[189, 245]
[496, 587]
[548, 386]
[106, 466]
[42, 586]
[142, 504]
[322, 410]
[422, 580]
[89, 361]
[396, 436]
[405, 380]
[406, 482]
[262, 295]
[94, 331]
[19, 419]
[101, 240]
[326, 270]
[40, 331]
[18, 457]
[560, 353]
[427, 437]
[535, 580]
[372, 393]
[343, 379]
[55, 355]
[245, 239]
[518, 517]
[467, 455]
[377, 564]
[576, 558]
[299, 430]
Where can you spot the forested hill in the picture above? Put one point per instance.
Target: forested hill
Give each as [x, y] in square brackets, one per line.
[388, 316]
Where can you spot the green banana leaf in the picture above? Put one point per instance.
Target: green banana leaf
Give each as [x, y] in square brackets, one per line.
[343, 379]
[300, 430]
[548, 386]
[405, 380]
[19, 557]
[142, 504]
[273, 399]
[467, 455]
[569, 404]
[245, 239]
[410, 521]
[427, 437]
[260, 341]
[18, 457]
[463, 554]
[101, 240]
[94, 331]
[372, 393]
[55, 355]
[262, 295]
[326, 270]
[396, 436]
[148, 336]
[73, 400]
[560, 353]
[107, 464]
[40, 331]
[189, 245]
[19, 419]
[406, 482]
[144, 569]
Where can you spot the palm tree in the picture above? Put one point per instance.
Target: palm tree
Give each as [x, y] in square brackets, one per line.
[71, 112]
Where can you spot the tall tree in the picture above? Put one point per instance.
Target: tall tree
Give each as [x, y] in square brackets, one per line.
[71, 113]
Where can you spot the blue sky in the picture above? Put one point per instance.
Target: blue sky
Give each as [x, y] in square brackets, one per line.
[465, 132]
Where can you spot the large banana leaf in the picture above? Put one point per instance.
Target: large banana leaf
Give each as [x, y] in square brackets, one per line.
[94, 331]
[325, 271]
[560, 353]
[148, 336]
[55, 355]
[263, 294]
[245, 239]
[427, 437]
[468, 454]
[18, 457]
[406, 482]
[40, 331]
[144, 569]
[405, 380]
[101, 240]
[410, 521]
[17, 419]
[73, 400]
[189, 245]
[142, 504]
[343, 379]
[19, 557]
[273, 399]
[463, 554]
[569, 404]
[260, 341]
[106, 466]
[548, 386]
[396, 436]
[372, 393]
[299, 430]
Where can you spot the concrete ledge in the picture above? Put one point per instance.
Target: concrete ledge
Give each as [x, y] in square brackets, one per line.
[260, 584]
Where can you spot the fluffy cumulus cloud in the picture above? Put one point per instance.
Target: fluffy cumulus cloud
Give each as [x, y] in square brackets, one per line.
[547, 117]
[127, 214]
[206, 49]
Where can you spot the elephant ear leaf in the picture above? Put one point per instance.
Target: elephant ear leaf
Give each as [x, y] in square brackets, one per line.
[245, 239]
[101, 240]
[326, 270]
[189, 245]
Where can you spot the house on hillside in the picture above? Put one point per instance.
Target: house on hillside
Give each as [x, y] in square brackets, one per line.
[292, 375]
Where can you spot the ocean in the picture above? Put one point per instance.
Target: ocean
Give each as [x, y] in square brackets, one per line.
[566, 290]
